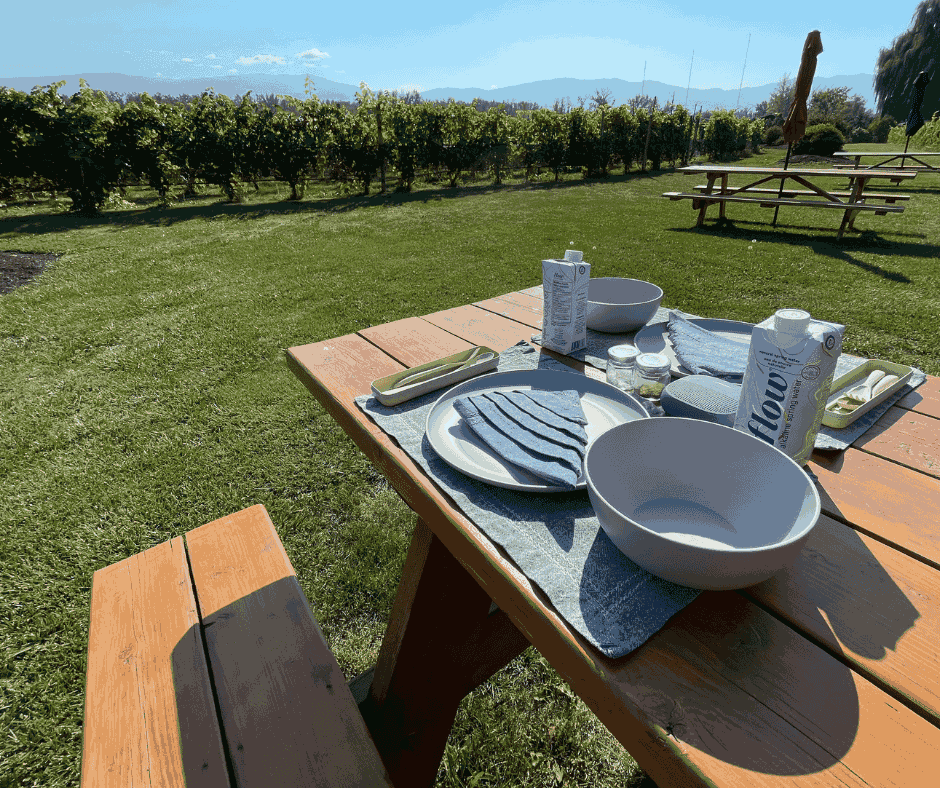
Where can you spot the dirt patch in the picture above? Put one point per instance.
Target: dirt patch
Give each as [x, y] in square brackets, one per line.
[20, 268]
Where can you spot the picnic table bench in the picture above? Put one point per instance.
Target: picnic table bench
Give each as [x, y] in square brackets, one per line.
[207, 668]
[826, 675]
[810, 195]
[915, 161]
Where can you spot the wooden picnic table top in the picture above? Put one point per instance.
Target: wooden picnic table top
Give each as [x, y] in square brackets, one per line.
[848, 154]
[720, 169]
[826, 674]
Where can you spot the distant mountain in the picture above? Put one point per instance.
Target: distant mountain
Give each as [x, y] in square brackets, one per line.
[543, 92]
[546, 91]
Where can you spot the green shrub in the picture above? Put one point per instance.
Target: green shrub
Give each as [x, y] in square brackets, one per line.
[928, 138]
[880, 127]
[726, 136]
[862, 135]
[773, 135]
[823, 139]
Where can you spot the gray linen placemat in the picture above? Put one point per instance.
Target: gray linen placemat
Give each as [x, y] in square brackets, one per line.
[554, 538]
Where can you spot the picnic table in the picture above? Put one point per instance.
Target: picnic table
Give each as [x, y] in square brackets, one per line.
[911, 161]
[826, 674]
[768, 187]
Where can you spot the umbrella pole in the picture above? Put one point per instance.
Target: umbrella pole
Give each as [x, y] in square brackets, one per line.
[786, 163]
[905, 152]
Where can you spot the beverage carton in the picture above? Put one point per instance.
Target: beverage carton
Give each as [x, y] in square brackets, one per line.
[789, 373]
[565, 286]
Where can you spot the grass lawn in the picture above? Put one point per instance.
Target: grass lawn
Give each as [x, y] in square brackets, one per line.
[144, 392]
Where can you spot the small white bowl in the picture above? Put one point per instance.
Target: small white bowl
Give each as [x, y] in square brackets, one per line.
[700, 504]
[617, 306]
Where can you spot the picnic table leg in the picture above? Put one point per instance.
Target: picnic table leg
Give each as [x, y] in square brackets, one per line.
[703, 204]
[848, 218]
[443, 639]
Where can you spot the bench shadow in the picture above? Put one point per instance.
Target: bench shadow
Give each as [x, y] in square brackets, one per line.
[846, 250]
[211, 207]
[798, 671]
[275, 687]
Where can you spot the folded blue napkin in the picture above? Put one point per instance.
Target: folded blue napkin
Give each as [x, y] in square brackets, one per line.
[706, 353]
[539, 431]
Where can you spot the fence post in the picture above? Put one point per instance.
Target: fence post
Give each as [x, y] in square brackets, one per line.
[649, 130]
[378, 121]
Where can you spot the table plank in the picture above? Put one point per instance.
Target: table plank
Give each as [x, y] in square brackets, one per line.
[894, 504]
[883, 616]
[754, 704]
[521, 309]
[924, 399]
[481, 327]
[705, 169]
[906, 437]
[413, 341]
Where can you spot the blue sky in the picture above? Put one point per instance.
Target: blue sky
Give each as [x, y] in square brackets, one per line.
[427, 45]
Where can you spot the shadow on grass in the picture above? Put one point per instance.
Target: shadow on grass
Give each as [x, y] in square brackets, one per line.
[845, 250]
[210, 207]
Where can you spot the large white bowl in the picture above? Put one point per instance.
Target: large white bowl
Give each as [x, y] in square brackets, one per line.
[699, 503]
[616, 305]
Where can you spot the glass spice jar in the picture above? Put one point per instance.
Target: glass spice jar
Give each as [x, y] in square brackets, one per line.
[621, 367]
[652, 376]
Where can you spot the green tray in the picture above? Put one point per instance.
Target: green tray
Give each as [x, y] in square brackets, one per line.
[389, 390]
[857, 376]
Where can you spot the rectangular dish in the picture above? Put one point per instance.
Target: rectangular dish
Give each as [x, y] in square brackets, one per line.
[856, 377]
[390, 391]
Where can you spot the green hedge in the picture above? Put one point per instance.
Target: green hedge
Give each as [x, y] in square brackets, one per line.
[86, 145]
[928, 138]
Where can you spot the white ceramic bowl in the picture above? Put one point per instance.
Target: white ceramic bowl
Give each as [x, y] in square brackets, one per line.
[699, 503]
[617, 305]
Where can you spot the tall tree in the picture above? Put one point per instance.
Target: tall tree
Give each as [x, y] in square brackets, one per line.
[913, 51]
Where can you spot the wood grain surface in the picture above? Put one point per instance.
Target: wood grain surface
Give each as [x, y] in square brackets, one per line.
[825, 675]
[149, 713]
[288, 715]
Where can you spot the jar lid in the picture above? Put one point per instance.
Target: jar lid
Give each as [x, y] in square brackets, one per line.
[622, 353]
[652, 362]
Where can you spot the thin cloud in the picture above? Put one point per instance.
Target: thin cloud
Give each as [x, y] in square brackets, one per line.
[232, 71]
[187, 60]
[250, 61]
[312, 54]
[210, 57]
[216, 66]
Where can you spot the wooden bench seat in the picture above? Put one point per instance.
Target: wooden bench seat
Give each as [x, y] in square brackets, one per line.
[887, 197]
[771, 202]
[206, 667]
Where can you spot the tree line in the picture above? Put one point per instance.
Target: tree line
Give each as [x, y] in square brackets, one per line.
[89, 144]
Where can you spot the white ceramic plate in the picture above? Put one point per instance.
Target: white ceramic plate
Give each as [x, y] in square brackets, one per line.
[655, 339]
[604, 406]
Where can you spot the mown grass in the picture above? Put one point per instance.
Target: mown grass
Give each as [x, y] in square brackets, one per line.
[144, 392]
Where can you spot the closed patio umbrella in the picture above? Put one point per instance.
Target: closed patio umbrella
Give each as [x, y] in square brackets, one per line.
[795, 125]
[915, 119]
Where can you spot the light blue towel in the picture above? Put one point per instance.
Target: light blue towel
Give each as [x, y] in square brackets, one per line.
[553, 453]
[706, 353]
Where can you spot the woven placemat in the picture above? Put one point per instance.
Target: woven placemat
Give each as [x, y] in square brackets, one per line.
[555, 539]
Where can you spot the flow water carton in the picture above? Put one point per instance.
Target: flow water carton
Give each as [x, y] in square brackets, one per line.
[789, 373]
[565, 286]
